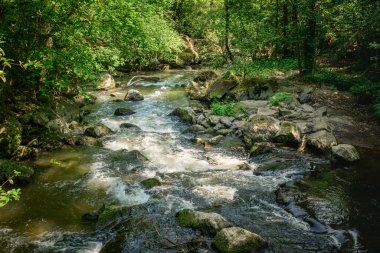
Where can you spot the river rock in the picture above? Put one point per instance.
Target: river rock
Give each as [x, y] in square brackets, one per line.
[196, 128]
[150, 183]
[260, 128]
[130, 126]
[321, 140]
[238, 240]
[133, 95]
[106, 82]
[254, 88]
[251, 106]
[291, 103]
[215, 140]
[10, 137]
[97, 131]
[261, 148]
[124, 112]
[209, 223]
[227, 121]
[88, 141]
[222, 86]
[346, 152]
[289, 133]
[186, 114]
[197, 91]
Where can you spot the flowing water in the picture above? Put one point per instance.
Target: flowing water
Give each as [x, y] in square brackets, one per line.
[79, 180]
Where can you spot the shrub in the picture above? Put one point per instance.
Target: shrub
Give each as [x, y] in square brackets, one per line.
[225, 109]
[278, 97]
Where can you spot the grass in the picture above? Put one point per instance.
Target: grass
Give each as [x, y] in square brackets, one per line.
[279, 97]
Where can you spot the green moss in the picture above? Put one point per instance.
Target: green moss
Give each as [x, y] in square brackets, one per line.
[150, 183]
[183, 114]
[110, 211]
[226, 109]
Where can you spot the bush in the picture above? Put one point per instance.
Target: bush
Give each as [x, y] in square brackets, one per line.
[225, 109]
[278, 97]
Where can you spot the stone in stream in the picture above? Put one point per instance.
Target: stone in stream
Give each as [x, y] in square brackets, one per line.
[133, 95]
[321, 140]
[209, 223]
[150, 183]
[90, 216]
[238, 240]
[261, 148]
[186, 114]
[130, 126]
[124, 112]
[97, 131]
[215, 140]
[346, 152]
[88, 141]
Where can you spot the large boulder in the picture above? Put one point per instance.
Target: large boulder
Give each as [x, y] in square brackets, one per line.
[238, 240]
[106, 82]
[198, 91]
[133, 95]
[321, 140]
[10, 137]
[260, 128]
[289, 133]
[88, 141]
[186, 114]
[254, 88]
[209, 223]
[261, 148]
[345, 152]
[222, 86]
[97, 131]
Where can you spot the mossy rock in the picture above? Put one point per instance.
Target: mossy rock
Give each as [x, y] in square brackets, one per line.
[238, 240]
[186, 114]
[150, 183]
[220, 88]
[10, 137]
[254, 88]
[208, 223]
[89, 141]
[260, 128]
[97, 131]
[205, 76]
[9, 168]
[261, 148]
[110, 212]
[289, 133]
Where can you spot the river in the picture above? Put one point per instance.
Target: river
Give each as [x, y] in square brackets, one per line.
[78, 180]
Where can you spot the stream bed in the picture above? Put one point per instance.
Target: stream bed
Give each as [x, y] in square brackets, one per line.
[297, 202]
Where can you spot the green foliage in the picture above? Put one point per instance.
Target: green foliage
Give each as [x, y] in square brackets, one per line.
[12, 194]
[263, 68]
[279, 97]
[333, 78]
[225, 109]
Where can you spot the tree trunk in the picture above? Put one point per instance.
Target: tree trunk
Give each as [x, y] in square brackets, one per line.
[285, 23]
[296, 34]
[309, 44]
[227, 30]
